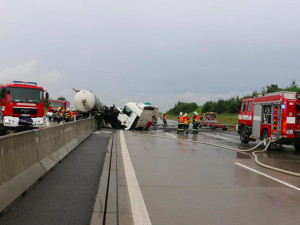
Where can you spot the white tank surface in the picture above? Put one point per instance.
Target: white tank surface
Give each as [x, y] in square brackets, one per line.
[85, 101]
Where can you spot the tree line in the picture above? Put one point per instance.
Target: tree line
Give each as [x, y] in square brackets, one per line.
[230, 105]
[183, 107]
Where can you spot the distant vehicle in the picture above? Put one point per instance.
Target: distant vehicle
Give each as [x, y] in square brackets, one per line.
[137, 116]
[275, 116]
[54, 104]
[21, 106]
[209, 119]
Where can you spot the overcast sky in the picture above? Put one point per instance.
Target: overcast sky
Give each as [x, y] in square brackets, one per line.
[159, 51]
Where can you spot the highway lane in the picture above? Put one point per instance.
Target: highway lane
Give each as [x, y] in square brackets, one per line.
[67, 194]
[188, 183]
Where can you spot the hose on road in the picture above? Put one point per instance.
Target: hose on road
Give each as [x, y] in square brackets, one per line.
[240, 150]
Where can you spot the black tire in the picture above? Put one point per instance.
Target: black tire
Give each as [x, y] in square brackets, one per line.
[264, 137]
[297, 147]
[244, 138]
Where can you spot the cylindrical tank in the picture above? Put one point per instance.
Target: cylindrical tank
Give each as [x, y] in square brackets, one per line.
[85, 101]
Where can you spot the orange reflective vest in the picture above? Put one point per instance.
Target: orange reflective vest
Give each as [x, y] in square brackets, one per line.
[186, 120]
[58, 114]
[196, 119]
[165, 116]
[180, 119]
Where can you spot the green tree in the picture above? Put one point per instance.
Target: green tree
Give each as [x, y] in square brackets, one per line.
[272, 88]
[293, 87]
[183, 107]
[61, 98]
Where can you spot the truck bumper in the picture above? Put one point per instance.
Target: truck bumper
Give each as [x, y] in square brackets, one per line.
[288, 141]
[10, 121]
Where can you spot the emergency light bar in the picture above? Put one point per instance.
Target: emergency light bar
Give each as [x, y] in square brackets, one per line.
[25, 82]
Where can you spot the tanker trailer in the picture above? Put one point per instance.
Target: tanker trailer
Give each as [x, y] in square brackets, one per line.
[85, 101]
[88, 104]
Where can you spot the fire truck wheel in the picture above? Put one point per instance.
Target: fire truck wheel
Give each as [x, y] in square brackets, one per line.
[264, 137]
[297, 147]
[243, 136]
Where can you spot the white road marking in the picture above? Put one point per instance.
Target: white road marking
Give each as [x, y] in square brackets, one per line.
[171, 135]
[272, 178]
[106, 132]
[220, 137]
[139, 211]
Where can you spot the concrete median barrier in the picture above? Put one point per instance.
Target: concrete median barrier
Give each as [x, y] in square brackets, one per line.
[19, 166]
[70, 139]
[25, 157]
[51, 146]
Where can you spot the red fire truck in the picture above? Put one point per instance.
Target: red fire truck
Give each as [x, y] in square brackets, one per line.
[275, 116]
[21, 106]
[54, 104]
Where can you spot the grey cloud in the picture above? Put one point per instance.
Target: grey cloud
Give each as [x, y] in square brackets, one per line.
[160, 49]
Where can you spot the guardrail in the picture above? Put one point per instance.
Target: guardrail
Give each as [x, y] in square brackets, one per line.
[26, 157]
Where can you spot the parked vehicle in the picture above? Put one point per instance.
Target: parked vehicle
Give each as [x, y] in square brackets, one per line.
[21, 106]
[274, 117]
[54, 105]
[209, 119]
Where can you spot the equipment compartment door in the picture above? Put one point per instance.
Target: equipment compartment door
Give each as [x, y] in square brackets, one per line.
[257, 117]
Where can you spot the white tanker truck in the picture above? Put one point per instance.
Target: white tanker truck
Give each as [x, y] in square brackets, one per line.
[133, 115]
[85, 101]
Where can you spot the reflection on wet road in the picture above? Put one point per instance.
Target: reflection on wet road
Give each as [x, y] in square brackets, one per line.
[183, 182]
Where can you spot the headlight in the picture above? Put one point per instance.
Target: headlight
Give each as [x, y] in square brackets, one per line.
[41, 122]
[6, 120]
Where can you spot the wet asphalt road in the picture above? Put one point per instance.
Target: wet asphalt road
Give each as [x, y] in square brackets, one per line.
[187, 183]
[67, 194]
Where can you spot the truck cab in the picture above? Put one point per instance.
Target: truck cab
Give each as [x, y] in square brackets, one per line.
[136, 116]
[54, 105]
[245, 119]
[21, 105]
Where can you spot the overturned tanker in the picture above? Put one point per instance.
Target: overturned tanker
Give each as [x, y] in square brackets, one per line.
[131, 116]
[88, 104]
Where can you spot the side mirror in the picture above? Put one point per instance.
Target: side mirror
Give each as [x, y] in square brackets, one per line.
[47, 100]
[3, 93]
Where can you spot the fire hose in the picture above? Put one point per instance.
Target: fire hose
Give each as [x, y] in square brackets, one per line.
[240, 150]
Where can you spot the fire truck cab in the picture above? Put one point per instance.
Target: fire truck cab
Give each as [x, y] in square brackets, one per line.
[275, 116]
[21, 106]
[54, 105]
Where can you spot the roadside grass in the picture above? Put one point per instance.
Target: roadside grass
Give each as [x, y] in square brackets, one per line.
[231, 119]
[224, 118]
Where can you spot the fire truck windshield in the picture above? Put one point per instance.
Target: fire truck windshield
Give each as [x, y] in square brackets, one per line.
[56, 104]
[28, 95]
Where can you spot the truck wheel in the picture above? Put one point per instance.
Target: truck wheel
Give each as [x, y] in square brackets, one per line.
[264, 137]
[297, 147]
[244, 138]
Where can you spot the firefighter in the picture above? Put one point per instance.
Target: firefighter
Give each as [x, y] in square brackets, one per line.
[196, 123]
[58, 115]
[67, 115]
[155, 121]
[186, 121]
[165, 119]
[99, 119]
[180, 122]
[72, 115]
